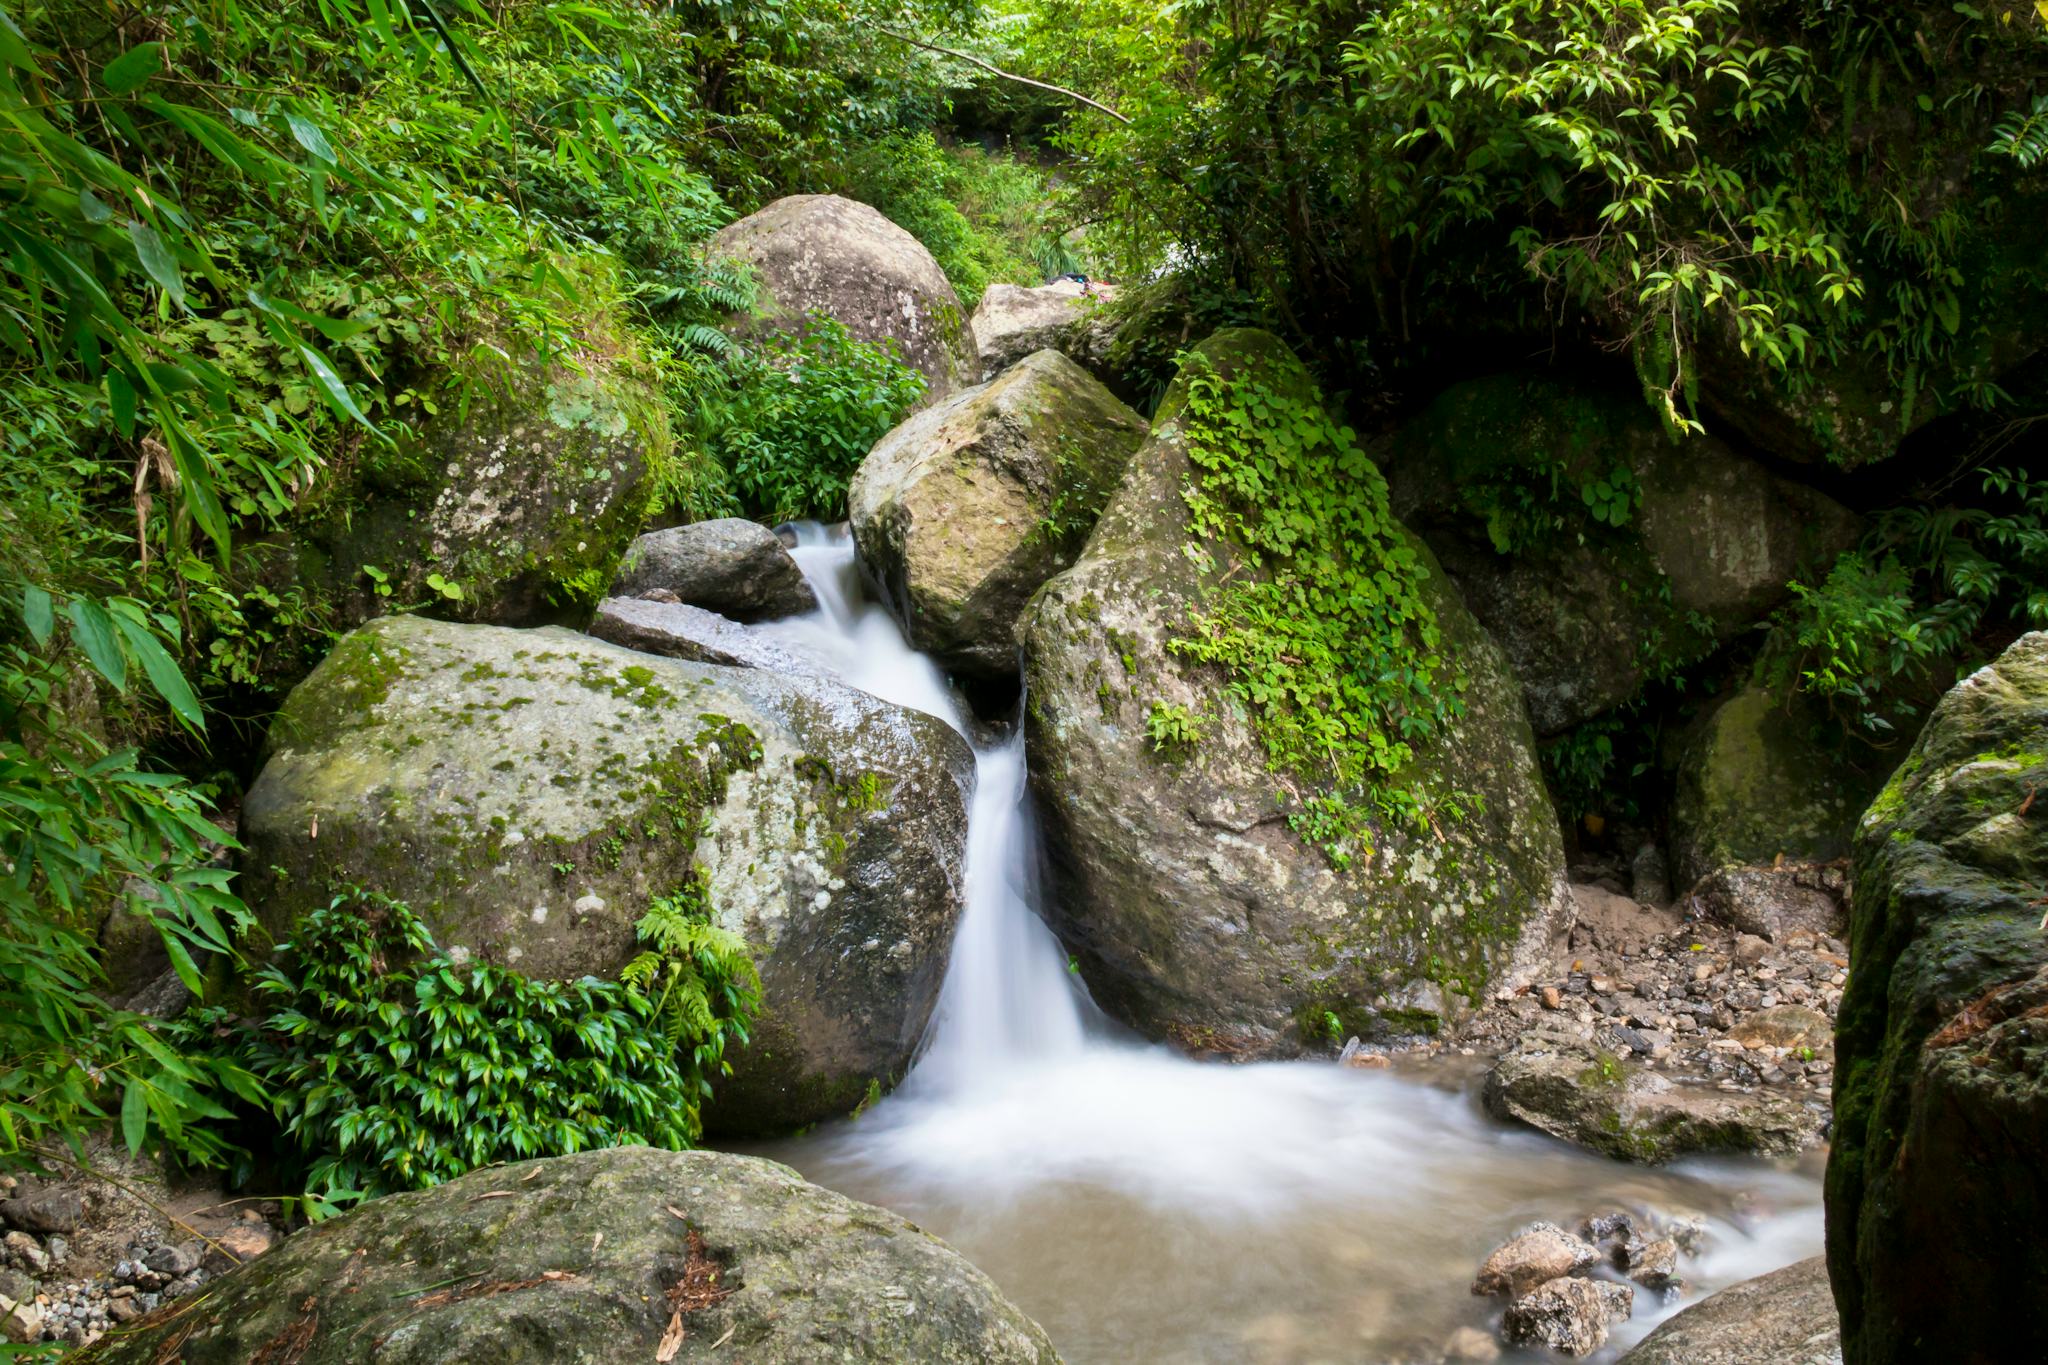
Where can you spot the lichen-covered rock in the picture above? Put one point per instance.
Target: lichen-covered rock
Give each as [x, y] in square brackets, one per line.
[628, 1255]
[1784, 1318]
[1194, 910]
[1755, 785]
[1013, 320]
[1496, 477]
[1568, 1315]
[529, 792]
[1935, 1191]
[729, 565]
[1774, 901]
[966, 508]
[819, 253]
[1569, 1088]
[520, 498]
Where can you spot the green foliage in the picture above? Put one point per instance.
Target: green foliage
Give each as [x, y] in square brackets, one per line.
[392, 1065]
[799, 416]
[985, 218]
[1173, 728]
[1902, 614]
[1317, 615]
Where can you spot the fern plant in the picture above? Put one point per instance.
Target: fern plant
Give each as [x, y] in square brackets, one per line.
[2024, 136]
[699, 981]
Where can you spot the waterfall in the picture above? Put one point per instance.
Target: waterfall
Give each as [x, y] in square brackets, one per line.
[1099, 1179]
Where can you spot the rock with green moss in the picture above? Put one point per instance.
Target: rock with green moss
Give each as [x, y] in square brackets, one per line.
[1195, 911]
[1756, 783]
[519, 496]
[625, 1255]
[1935, 1194]
[529, 792]
[820, 253]
[966, 508]
[1567, 1087]
[1597, 552]
[1012, 321]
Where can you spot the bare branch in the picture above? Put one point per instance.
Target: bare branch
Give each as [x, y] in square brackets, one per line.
[1006, 75]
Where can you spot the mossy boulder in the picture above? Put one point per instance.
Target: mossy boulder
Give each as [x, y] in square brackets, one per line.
[1592, 592]
[529, 792]
[963, 510]
[1935, 1191]
[1012, 321]
[819, 253]
[520, 494]
[1194, 909]
[1566, 1086]
[601, 1257]
[1756, 783]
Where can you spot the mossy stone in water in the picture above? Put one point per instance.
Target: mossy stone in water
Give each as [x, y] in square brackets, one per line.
[530, 792]
[577, 1260]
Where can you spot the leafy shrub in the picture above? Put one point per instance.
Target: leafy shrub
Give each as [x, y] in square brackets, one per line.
[1325, 639]
[1896, 618]
[799, 417]
[394, 1066]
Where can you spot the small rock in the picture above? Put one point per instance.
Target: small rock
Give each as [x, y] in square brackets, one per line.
[173, 1261]
[44, 1211]
[1601, 1228]
[1653, 1265]
[1751, 948]
[26, 1252]
[1553, 999]
[1568, 1315]
[124, 1310]
[245, 1241]
[1784, 1026]
[1470, 1346]
[1538, 1254]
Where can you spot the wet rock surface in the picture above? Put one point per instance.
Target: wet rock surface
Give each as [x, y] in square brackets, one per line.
[734, 567]
[680, 631]
[1784, 1318]
[630, 1254]
[1570, 1316]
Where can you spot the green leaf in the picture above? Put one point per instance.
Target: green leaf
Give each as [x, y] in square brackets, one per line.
[338, 396]
[37, 614]
[94, 631]
[309, 136]
[156, 259]
[93, 208]
[133, 68]
[135, 1116]
[163, 671]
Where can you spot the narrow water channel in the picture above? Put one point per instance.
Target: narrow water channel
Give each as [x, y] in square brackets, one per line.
[1147, 1208]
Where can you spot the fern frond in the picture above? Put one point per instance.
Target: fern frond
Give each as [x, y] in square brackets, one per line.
[2023, 136]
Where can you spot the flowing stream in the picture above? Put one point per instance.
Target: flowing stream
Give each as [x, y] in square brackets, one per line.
[1148, 1208]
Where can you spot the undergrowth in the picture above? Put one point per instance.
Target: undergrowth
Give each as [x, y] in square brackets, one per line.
[1315, 612]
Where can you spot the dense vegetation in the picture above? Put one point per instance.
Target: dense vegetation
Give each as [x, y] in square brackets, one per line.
[250, 245]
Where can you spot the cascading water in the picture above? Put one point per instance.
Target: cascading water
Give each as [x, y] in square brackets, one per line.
[1144, 1207]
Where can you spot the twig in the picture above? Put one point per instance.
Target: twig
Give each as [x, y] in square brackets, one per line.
[139, 1197]
[1006, 75]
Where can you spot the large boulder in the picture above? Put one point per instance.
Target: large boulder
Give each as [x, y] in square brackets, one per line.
[519, 495]
[1194, 910]
[819, 253]
[1013, 320]
[1567, 1087]
[1784, 1318]
[729, 565]
[1591, 593]
[1935, 1192]
[1756, 785]
[529, 792]
[963, 510]
[625, 1255]
[681, 631]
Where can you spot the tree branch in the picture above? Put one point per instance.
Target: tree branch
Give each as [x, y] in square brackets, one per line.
[1006, 75]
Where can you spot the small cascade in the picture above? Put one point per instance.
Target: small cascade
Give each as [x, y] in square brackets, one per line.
[1100, 1180]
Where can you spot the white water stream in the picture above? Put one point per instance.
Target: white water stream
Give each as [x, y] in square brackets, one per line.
[1147, 1208]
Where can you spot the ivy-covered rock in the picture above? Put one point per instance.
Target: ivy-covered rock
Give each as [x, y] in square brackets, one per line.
[819, 253]
[729, 565]
[1756, 783]
[1597, 551]
[512, 505]
[1196, 910]
[1566, 1086]
[528, 793]
[1013, 320]
[1935, 1194]
[966, 508]
[630, 1254]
